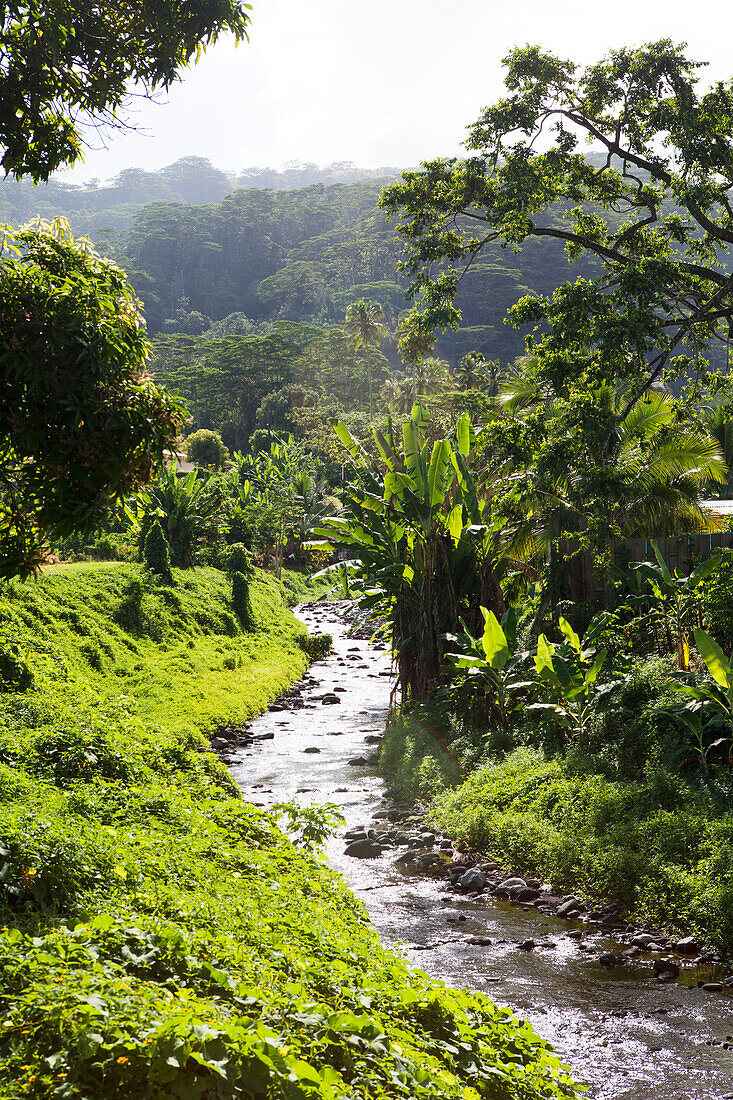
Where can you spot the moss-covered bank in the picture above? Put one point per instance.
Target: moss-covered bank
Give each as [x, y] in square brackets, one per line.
[659, 845]
[162, 937]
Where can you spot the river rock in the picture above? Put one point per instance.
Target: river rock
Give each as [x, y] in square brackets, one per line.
[358, 762]
[526, 945]
[428, 859]
[525, 895]
[311, 748]
[363, 849]
[569, 907]
[330, 699]
[666, 966]
[512, 883]
[479, 941]
[687, 946]
[609, 960]
[643, 940]
[712, 987]
[472, 881]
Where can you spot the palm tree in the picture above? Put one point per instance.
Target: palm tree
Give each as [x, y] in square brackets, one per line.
[365, 324]
[718, 420]
[650, 480]
[429, 376]
[475, 372]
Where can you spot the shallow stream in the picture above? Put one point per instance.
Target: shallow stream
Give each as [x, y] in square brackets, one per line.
[625, 1035]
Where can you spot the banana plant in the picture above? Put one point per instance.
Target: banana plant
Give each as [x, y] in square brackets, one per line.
[190, 508]
[570, 672]
[425, 549]
[490, 663]
[710, 707]
[677, 601]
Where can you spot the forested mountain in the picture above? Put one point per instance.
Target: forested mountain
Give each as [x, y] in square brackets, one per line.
[102, 209]
[304, 256]
[206, 247]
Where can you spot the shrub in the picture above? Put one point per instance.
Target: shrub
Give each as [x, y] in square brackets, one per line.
[206, 448]
[138, 614]
[68, 754]
[241, 599]
[317, 646]
[156, 553]
[237, 559]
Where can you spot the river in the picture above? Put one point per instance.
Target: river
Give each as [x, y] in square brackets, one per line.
[624, 1035]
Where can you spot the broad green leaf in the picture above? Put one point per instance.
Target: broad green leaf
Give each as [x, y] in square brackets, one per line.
[545, 651]
[701, 571]
[662, 564]
[455, 523]
[713, 656]
[570, 634]
[438, 472]
[494, 642]
[592, 673]
[463, 435]
[346, 438]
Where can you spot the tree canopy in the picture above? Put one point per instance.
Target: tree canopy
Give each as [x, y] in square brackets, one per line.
[81, 423]
[64, 64]
[654, 211]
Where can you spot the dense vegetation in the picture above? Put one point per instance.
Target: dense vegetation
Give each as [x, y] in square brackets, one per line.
[161, 936]
[586, 744]
[300, 245]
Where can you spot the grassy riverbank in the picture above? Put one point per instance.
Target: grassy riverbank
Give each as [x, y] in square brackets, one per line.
[162, 938]
[659, 845]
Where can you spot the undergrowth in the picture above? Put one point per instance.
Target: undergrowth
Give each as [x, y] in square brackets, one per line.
[659, 843]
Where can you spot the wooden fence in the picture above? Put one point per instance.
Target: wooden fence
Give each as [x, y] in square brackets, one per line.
[588, 584]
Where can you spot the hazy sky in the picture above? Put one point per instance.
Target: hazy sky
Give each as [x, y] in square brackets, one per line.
[389, 82]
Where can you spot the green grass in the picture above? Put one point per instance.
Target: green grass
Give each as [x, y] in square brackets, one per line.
[163, 938]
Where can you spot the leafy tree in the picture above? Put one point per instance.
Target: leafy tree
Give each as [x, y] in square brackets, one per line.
[206, 448]
[66, 63]
[654, 214]
[225, 380]
[81, 424]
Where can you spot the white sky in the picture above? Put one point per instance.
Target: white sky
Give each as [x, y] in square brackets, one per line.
[384, 82]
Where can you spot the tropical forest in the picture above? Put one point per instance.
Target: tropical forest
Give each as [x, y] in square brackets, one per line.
[366, 583]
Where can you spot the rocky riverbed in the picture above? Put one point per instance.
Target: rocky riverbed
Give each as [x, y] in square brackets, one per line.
[638, 1016]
